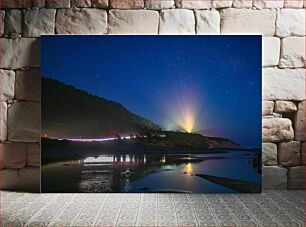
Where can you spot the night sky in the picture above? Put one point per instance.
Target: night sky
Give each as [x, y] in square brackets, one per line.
[207, 84]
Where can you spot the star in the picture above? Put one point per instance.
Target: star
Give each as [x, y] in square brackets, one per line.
[251, 83]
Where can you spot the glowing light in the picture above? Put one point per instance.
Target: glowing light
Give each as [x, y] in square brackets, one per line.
[99, 159]
[188, 168]
[163, 159]
[188, 120]
[183, 107]
[89, 140]
[102, 139]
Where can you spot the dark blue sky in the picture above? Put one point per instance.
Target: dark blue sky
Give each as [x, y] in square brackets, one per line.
[210, 82]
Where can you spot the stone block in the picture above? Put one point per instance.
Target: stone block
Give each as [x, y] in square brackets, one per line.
[38, 3]
[177, 21]
[28, 85]
[289, 153]
[26, 180]
[80, 3]
[293, 52]
[13, 21]
[100, 3]
[81, 21]
[159, 4]
[293, 4]
[15, 4]
[285, 107]
[283, 84]
[13, 155]
[242, 4]
[126, 4]
[269, 154]
[3, 121]
[133, 22]
[39, 22]
[296, 177]
[24, 122]
[20, 53]
[277, 115]
[277, 129]
[267, 107]
[2, 15]
[270, 51]
[248, 21]
[7, 84]
[207, 22]
[303, 157]
[299, 122]
[33, 154]
[290, 22]
[9, 179]
[56, 4]
[192, 4]
[274, 177]
[222, 3]
[262, 4]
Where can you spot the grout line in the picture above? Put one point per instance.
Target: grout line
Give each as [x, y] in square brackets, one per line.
[249, 212]
[81, 210]
[195, 21]
[137, 210]
[176, 220]
[230, 211]
[64, 207]
[213, 214]
[100, 213]
[119, 212]
[194, 215]
[38, 212]
[269, 214]
[156, 210]
[281, 208]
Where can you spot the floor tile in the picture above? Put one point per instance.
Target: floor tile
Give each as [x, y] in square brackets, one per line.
[271, 208]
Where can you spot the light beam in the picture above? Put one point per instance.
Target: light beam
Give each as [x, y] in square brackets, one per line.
[183, 108]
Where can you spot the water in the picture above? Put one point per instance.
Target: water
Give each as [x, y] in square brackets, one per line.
[150, 172]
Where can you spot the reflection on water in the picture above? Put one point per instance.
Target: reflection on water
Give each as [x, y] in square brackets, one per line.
[149, 172]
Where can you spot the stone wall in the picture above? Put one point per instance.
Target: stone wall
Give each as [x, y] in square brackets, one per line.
[281, 22]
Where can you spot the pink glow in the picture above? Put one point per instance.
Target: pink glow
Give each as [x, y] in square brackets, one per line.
[90, 140]
[98, 139]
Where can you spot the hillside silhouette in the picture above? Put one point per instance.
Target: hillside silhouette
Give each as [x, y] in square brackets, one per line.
[68, 112]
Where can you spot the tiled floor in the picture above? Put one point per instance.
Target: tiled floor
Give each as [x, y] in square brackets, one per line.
[271, 208]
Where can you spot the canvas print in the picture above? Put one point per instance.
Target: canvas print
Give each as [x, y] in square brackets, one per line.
[151, 114]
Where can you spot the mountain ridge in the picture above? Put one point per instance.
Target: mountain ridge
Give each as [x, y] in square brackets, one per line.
[91, 116]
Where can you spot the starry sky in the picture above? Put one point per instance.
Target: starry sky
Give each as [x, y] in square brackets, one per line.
[209, 84]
